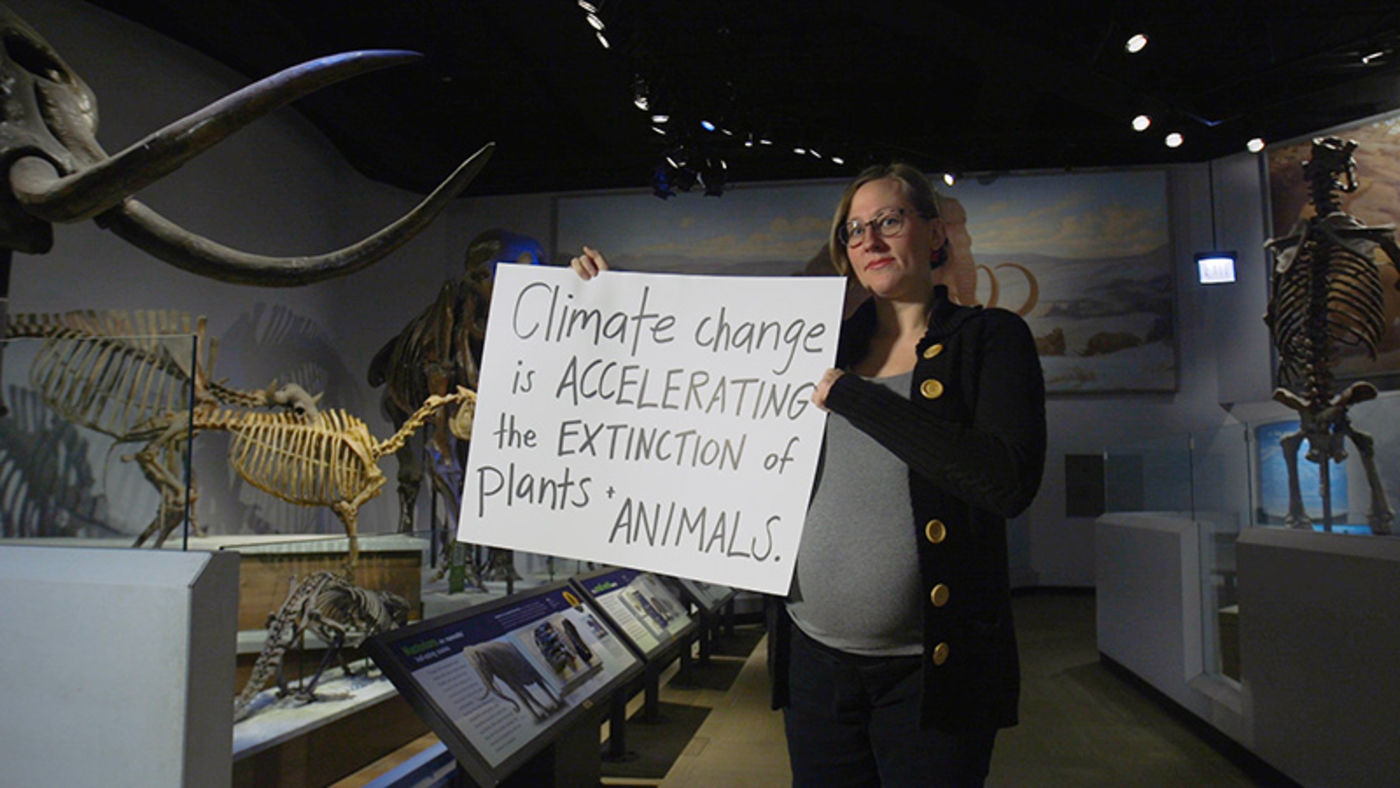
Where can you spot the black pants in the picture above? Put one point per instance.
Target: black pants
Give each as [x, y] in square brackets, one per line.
[854, 721]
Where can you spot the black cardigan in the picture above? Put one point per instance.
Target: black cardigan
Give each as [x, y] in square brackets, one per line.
[973, 435]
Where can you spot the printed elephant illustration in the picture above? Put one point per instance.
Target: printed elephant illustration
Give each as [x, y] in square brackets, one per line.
[499, 660]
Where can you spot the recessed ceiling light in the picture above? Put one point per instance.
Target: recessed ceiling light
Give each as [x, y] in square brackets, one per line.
[1141, 123]
[1174, 140]
[1136, 43]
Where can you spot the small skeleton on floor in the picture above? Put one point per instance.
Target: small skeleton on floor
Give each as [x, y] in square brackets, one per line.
[333, 609]
[1327, 295]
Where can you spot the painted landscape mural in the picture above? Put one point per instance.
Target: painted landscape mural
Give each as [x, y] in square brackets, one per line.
[1084, 257]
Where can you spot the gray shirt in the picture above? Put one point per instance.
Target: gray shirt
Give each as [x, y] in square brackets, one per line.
[856, 586]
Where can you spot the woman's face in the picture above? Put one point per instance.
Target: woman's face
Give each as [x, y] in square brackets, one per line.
[892, 268]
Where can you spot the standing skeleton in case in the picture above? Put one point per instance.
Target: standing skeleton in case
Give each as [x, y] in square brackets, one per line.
[1327, 293]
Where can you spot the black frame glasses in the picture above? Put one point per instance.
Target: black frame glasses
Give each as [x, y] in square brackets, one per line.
[889, 224]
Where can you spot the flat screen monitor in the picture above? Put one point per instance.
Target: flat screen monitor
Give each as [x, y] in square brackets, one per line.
[500, 681]
[1215, 268]
[640, 605]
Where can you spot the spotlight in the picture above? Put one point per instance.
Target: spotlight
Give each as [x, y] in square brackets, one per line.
[764, 141]
[1174, 140]
[1367, 60]
[707, 125]
[950, 178]
[587, 6]
[1136, 43]
[814, 153]
[660, 118]
[837, 160]
[1141, 123]
[799, 150]
[748, 141]
[603, 40]
[659, 130]
[1255, 145]
[594, 21]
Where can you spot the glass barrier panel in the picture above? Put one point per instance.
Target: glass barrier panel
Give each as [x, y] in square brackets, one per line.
[94, 438]
[1150, 475]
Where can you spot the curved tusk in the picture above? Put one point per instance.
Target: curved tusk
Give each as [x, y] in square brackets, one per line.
[152, 232]
[93, 190]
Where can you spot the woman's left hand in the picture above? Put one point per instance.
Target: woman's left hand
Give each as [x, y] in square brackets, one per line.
[824, 386]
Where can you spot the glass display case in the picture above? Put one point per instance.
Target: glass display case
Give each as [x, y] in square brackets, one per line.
[1204, 476]
[94, 438]
[1234, 477]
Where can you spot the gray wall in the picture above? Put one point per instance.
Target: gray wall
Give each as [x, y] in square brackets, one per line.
[279, 187]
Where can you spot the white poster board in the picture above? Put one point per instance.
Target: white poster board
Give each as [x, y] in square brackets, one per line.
[656, 421]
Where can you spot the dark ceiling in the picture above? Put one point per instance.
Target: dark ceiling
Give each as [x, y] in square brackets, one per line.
[972, 86]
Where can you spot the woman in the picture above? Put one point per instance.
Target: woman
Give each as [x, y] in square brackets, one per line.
[894, 657]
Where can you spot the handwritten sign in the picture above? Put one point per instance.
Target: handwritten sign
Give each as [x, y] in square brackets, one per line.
[655, 421]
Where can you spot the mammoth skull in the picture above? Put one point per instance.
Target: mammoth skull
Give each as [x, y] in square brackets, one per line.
[57, 171]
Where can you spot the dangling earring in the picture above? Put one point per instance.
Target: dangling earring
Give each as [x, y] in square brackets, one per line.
[939, 257]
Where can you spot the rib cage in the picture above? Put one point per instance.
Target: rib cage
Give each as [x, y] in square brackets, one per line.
[311, 462]
[110, 371]
[1347, 287]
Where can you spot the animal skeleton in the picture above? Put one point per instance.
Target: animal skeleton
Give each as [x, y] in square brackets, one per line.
[1327, 293]
[437, 350]
[333, 609]
[58, 172]
[325, 459]
[130, 376]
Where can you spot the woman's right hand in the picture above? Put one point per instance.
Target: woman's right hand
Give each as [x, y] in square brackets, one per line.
[589, 264]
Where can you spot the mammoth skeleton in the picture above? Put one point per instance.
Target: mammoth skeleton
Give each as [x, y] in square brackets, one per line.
[57, 172]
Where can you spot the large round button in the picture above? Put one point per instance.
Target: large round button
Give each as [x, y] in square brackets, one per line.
[935, 531]
[933, 350]
[939, 595]
[940, 653]
[931, 389]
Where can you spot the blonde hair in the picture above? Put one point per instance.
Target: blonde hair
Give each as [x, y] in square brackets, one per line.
[917, 189]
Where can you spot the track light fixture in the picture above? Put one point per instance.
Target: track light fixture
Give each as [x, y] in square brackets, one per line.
[1141, 123]
[1255, 145]
[1174, 140]
[1135, 43]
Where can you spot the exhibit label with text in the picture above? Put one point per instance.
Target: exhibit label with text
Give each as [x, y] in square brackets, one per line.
[656, 421]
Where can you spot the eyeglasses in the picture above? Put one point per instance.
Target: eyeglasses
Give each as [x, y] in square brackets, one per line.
[889, 224]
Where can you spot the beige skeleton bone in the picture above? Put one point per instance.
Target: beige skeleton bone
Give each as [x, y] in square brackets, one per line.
[326, 459]
[133, 377]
